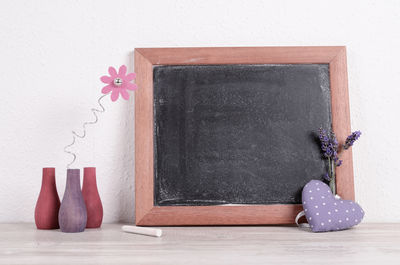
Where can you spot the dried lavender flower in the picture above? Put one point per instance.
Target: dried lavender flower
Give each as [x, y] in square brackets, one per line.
[329, 145]
[325, 143]
[326, 177]
[334, 145]
[351, 139]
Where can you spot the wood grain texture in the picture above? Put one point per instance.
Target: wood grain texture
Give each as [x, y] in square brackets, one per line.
[144, 154]
[365, 244]
[239, 55]
[341, 123]
[145, 58]
[221, 215]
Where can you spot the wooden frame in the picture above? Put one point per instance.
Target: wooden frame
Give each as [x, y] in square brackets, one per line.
[145, 58]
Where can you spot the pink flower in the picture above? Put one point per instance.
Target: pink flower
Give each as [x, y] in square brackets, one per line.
[118, 83]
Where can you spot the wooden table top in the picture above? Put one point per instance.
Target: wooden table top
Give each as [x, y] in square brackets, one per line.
[364, 244]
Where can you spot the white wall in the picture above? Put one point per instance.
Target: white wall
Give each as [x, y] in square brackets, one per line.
[52, 54]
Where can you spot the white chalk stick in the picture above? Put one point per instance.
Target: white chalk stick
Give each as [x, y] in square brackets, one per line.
[142, 230]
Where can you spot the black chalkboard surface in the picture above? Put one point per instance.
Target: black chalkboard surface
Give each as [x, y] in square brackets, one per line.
[238, 134]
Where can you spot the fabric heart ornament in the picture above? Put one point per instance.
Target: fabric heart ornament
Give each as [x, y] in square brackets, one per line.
[325, 212]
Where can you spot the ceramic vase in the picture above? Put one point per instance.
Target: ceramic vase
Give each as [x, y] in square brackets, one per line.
[48, 203]
[72, 216]
[92, 198]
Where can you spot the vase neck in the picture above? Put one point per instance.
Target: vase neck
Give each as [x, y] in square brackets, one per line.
[73, 179]
[89, 180]
[89, 176]
[89, 171]
[48, 177]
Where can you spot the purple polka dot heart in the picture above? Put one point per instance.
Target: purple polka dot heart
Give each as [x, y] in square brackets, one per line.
[324, 212]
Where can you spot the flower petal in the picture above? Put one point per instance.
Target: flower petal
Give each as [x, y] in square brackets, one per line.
[112, 72]
[106, 79]
[124, 94]
[131, 86]
[107, 89]
[114, 95]
[122, 71]
[130, 77]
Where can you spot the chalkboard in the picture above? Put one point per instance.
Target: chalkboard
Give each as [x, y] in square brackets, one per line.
[238, 134]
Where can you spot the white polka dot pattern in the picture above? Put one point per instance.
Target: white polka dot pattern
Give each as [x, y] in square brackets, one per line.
[324, 212]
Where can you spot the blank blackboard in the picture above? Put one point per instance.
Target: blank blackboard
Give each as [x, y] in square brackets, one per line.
[238, 134]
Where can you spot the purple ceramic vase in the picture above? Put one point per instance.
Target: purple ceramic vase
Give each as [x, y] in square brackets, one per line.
[72, 216]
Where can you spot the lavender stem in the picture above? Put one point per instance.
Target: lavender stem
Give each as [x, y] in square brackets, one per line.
[332, 182]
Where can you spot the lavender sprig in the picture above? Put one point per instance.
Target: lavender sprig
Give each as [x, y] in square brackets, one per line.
[351, 139]
[329, 146]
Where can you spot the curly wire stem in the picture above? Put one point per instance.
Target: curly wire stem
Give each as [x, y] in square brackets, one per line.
[75, 135]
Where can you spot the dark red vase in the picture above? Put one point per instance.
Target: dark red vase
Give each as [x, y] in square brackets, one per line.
[48, 203]
[72, 216]
[92, 198]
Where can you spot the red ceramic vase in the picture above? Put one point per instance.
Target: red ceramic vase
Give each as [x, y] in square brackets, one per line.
[48, 203]
[92, 198]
